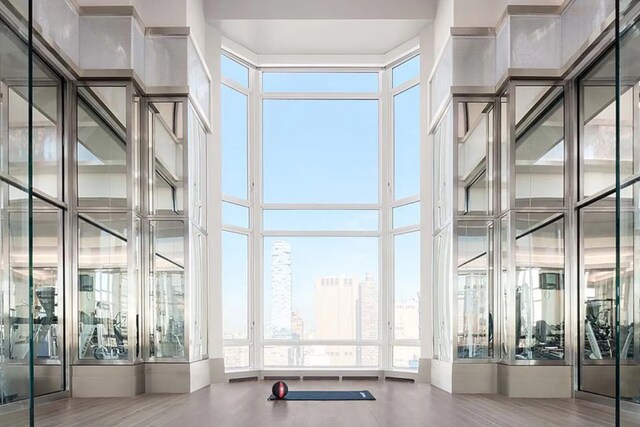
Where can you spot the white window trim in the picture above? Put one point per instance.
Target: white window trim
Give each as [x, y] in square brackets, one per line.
[385, 233]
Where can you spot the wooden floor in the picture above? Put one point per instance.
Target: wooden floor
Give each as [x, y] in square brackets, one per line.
[398, 404]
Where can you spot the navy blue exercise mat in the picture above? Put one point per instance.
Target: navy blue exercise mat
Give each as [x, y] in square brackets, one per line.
[327, 395]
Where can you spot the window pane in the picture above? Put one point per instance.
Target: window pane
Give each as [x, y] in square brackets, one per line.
[539, 293]
[234, 71]
[166, 146]
[103, 294]
[406, 357]
[540, 150]
[598, 278]
[475, 130]
[321, 288]
[504, 156]
[322, 220]
[320, 151]
[320, 82]
[406, 215]
[406, 71]
[407, 143]
[102, 160]
[318, 356]
[233, 214]
[47, 146]
[234, 143]
[598, 136]
[406, 269]
[236, 357]
[167, 335]
[235, 285]
[473, 299]
[442, 294]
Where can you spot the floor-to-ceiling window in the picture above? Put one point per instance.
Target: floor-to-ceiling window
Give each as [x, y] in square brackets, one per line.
[321, 200]
[236, 204]
[404, 197]
[324, 271]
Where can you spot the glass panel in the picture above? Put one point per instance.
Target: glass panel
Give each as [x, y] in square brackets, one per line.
[102, 294]
[320, 82]
[199, 295]
[442, 295]
[598, 120]
[235, 285]
[320, 151]
[443, 170]
[318, 356]
[167, 303]
[407, 357]
[598, 222]
[197, 170]
[235, 143]
[475, 321]
[474, 135]
[233, 214]
[47, 143]
[236, 357]
[629, 277]
[406, 71]
[406, 268]
[101, 154]
[406, 107]
[166, 148]
[321, 288]
[233, 70]
[406, 215]
[321, 220]
[540, 153]
[539, 292]
[504, 155]
[116, 223]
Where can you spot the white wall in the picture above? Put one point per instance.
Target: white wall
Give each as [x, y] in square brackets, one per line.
[196, 22]
[162, 13]
[478, 13]
[442, 25]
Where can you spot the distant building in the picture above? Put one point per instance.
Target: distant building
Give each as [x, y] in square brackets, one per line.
[367, 319]
[281, 305]
[336, 317]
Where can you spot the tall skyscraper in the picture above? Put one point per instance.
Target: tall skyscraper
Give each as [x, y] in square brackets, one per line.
[336, 317]
[367, 319]
[281, 305]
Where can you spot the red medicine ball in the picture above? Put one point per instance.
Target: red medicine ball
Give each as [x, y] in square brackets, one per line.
[280, 389]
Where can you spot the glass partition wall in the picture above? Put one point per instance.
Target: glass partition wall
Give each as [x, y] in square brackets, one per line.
[176, 174]
[608, 141]
[108, 226]
[33, 355]
[500, 224]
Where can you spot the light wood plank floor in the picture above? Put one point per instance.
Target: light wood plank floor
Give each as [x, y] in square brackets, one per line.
[398, 404]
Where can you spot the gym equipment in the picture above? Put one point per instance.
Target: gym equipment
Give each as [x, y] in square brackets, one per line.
[280, 391]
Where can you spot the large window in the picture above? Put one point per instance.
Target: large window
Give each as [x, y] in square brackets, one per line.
[404, 178]
[321, 186]
[236, 215]
[306, 278]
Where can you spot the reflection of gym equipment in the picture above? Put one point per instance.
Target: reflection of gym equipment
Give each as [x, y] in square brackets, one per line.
[169, 329]
[600, 342]
[45, 324]
[537, 338]
[101, 336]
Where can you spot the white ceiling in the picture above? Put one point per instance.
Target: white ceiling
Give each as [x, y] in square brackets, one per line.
[320, 27]
[320, 37]
[319, 9]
